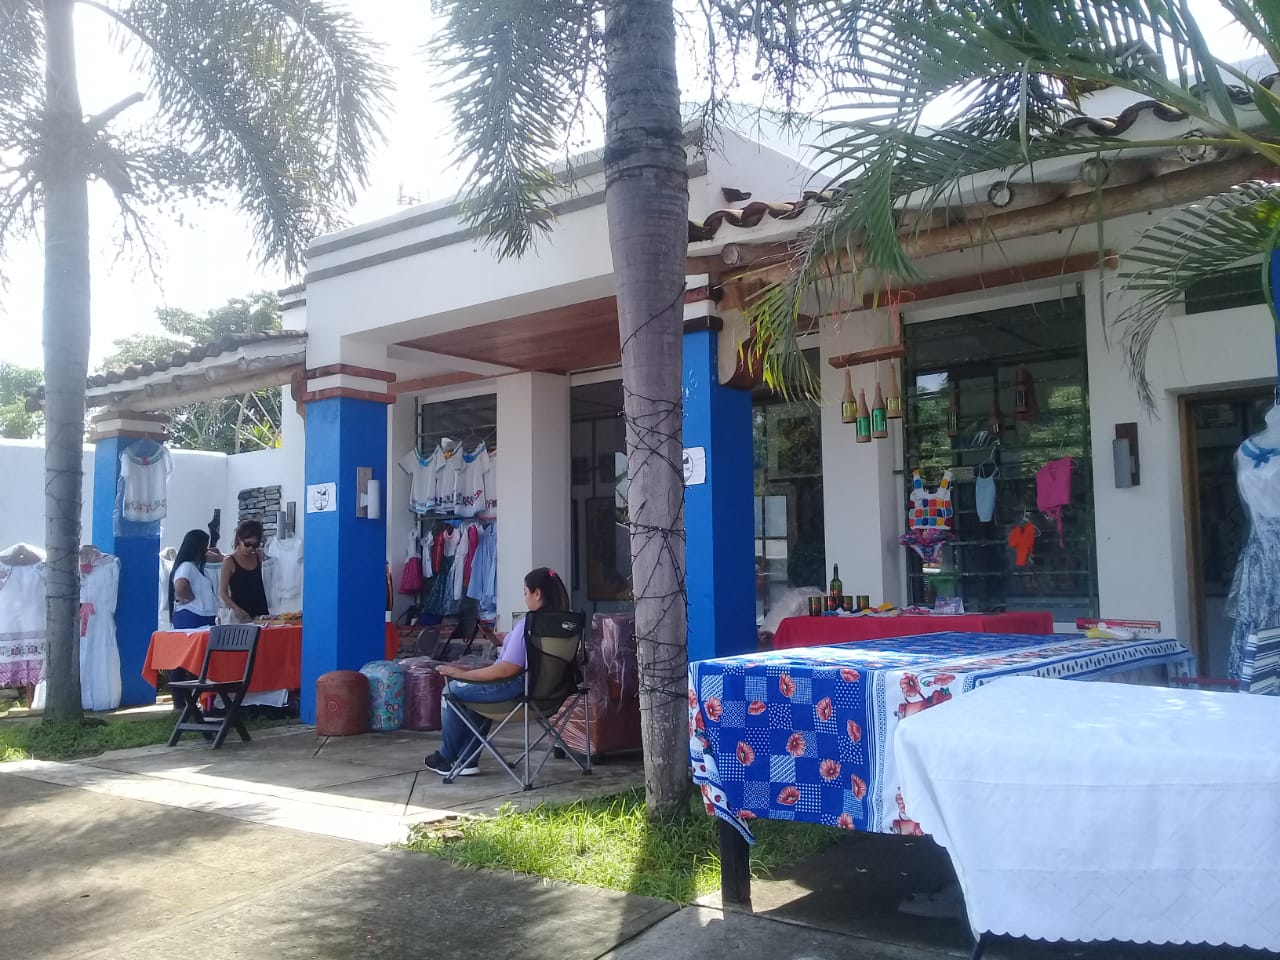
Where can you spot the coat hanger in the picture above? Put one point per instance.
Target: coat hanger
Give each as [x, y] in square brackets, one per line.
[22, 555]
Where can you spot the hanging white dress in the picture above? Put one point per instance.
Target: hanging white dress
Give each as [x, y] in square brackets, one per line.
[144, 472]
[22, 624]
[284, 592]
[99, 652]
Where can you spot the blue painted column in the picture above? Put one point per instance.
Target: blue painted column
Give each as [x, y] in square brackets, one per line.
[1274, 278]
[137, 545]
[719, 532]
[344, 577]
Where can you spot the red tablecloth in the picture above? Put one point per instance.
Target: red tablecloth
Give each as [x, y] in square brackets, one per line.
[278, 666]
[824, 631]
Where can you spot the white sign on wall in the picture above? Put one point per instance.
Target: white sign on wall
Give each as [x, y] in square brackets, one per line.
[695, 466]
[322, 497]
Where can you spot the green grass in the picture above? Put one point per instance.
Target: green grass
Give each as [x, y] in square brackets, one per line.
[32, 739]
[609, 842]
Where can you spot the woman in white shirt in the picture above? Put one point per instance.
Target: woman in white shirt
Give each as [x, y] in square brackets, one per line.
[192, 602]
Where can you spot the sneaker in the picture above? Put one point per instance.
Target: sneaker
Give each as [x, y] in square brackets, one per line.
[436, 763]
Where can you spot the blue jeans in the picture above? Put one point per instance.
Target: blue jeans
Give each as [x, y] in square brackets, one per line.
[458, 740]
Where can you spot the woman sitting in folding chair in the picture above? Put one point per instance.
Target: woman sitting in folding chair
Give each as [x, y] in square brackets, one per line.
[542, 589]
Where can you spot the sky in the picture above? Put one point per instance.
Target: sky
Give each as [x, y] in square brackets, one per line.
[204, 259]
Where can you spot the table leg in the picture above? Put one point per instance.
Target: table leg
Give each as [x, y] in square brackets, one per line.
[735, 861]
[979, 946]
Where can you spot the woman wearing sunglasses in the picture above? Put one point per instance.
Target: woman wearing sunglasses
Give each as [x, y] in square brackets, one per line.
[242, 589]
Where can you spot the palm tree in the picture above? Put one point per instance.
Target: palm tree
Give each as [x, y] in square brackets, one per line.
[274, 102]
[1015, 72]
[522, 71]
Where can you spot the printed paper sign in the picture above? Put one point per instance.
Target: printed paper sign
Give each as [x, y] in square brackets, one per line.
[695, 466]
[322, 497]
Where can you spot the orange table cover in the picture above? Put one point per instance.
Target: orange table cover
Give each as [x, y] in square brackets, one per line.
[278, 667]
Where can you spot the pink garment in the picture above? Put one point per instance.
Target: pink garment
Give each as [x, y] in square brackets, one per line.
[1053, 490]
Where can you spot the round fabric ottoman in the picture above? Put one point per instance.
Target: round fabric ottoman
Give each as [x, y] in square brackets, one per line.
[342, 703]
[386, 694]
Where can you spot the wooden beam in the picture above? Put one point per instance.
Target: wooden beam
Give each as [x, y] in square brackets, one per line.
[894, 351]
[1172, 190]
[1057, 266]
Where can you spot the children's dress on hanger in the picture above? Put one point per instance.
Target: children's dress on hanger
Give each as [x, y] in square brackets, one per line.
[22, 624]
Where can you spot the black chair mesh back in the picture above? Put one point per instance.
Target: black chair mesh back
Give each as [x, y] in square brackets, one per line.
[553, 642]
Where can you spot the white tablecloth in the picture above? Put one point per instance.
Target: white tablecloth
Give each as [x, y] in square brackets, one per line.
[1104, 811]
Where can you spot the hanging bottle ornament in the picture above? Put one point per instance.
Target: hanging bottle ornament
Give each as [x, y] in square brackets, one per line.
[953, 412]
[997, 417]
[863, 429]
[1025, 406]
[848, 406]
[893, 400]
[879, 416]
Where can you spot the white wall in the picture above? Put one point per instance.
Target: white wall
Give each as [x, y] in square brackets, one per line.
[200, 483]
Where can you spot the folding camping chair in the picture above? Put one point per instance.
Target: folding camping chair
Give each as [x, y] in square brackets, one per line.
[554, 676]
[1259, 668]
[237, 639]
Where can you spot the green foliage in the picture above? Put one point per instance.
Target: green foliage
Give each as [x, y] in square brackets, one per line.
[29, 739]
[230, 425]
[1014, 72]
[611, 842]
[15, 422]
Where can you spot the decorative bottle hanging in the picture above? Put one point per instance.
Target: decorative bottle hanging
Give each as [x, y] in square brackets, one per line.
[863, 430]
[997, 417]
[1025, 406]
[893, 402]
[953, 412]
[879, 418]
[848, 407]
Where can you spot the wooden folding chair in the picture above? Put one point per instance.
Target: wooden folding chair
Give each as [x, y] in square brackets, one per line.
[235, 639]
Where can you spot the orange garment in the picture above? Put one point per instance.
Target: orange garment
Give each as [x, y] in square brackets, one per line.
[1023, 540]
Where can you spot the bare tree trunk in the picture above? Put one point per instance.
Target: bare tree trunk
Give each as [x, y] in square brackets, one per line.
[647, 196]
[66, 352]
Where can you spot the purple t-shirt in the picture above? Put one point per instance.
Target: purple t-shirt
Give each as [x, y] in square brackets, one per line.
[513, 646]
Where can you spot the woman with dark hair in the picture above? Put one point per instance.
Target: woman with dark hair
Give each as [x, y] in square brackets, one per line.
[501, 680]
[192, 603]
[242, 588]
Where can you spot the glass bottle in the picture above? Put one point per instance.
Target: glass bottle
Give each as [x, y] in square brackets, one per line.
[893, 401]
[835, 594]
[879, 417]
[848, 408]
[863, 428]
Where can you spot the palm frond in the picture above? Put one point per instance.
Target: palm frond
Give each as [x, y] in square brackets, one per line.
[518, 72]
[1195, 244]
[277, 101]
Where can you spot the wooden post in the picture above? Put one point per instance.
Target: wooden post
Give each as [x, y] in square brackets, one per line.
[735, 865]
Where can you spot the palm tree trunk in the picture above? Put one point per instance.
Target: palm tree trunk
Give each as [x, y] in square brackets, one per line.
[66, 352]
[647, 197]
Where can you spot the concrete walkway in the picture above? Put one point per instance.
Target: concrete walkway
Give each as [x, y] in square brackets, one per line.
[279, 848]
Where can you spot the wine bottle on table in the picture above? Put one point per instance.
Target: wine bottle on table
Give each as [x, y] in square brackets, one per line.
[836, 594]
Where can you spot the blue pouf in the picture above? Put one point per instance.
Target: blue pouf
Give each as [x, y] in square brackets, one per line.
[386, 694]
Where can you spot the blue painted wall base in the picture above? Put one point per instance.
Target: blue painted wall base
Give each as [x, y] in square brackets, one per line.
[344, 578]
[719, 540]
[136, 599]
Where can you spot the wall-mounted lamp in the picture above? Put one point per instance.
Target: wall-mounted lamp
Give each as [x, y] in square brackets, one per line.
[1124, 451]
[368, 494]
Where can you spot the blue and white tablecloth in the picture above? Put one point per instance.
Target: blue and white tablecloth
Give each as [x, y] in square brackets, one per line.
[807, 734]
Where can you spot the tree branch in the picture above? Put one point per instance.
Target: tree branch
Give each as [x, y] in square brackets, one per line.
[98, 121]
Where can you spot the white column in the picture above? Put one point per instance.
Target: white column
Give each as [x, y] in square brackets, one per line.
[861, 496]
[533, 483]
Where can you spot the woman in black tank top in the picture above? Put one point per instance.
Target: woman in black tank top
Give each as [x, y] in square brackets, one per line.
[242, 588]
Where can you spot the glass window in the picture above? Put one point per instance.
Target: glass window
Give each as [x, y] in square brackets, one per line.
[1004, 392]
[790, 540]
